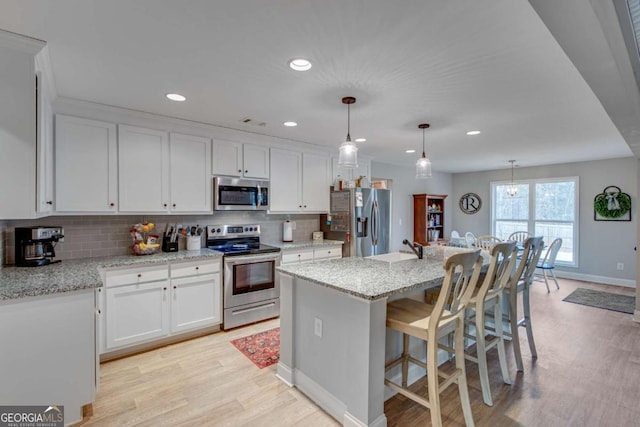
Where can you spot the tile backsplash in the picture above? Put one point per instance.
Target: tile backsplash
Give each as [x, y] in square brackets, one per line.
[108, 235]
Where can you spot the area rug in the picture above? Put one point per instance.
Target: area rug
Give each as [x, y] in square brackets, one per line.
[263, 348]
[601, 299]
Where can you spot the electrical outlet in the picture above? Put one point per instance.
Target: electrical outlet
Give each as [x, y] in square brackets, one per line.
[620, 266]
[317, 327]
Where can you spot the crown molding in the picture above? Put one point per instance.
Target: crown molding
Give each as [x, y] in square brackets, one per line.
[19, 42]
[43, 64]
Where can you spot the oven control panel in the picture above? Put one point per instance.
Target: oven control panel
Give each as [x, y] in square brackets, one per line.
[229, 231]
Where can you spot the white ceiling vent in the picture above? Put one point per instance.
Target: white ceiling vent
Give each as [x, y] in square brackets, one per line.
[252, 122]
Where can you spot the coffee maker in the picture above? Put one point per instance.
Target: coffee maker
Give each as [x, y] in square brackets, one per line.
[34, 245]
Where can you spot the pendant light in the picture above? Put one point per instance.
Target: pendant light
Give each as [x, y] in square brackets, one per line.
[348, 150]
[423, 165]
[512, 188]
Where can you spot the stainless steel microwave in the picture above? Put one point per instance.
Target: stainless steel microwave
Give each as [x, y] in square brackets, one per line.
[236, 194]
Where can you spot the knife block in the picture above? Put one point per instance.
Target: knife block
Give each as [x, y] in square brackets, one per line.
[168, 245]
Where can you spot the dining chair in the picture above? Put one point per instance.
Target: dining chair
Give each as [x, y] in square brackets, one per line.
[431, 322]
[456, 239]
[519, 236]
[487, 242]
[470, 239]
[520, 282]
[549, 262]
[489, 296]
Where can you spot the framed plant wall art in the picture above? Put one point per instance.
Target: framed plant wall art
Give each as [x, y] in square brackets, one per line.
[612, 205]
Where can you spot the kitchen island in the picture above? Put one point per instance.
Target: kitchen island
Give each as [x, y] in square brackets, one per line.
[333, 328]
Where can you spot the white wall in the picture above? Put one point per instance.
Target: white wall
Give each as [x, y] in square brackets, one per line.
[405, 185]
[602, 244]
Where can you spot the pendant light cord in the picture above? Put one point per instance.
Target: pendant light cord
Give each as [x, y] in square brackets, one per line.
[423, 153]
[349, 122]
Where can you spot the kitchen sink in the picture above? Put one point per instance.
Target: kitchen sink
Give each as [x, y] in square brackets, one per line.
[393, 257]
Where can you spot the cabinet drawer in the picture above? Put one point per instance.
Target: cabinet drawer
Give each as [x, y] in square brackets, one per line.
[328, 252]
[297, 256]
[194, 268]
[137, 275]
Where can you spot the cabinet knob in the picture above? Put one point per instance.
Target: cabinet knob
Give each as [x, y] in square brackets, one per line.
[174, 205]
[197, 268]
[246, 171]
[305, 206]
[139, 275]
[99, 312]
[299, 206]
[164, 205]
[112, 204]
[164, 289]
[49, 202]
[175, 287]
[239, 170]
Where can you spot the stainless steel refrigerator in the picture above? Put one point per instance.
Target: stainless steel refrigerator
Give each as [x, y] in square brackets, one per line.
[361, 217]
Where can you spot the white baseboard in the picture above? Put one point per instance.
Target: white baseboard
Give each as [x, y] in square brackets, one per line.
[351, 421]
[596, 279]
[285, 374]
[321, 397]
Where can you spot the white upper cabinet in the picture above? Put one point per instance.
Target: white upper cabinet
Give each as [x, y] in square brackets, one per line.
[44, 156]
[256, 161]
[190, 163]
[85, 165]
[143, 169]
[285, 187]
[18, 126]
[227, 158]
[315, 182]
[241, 160]
[299, 182]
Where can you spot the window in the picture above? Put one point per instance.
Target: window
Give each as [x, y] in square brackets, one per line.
[544, 207]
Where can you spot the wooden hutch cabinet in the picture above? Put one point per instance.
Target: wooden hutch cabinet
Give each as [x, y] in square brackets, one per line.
[428, 218]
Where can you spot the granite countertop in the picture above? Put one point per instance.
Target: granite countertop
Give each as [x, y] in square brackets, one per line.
[373, 279]
[76, 274]
[305, 244]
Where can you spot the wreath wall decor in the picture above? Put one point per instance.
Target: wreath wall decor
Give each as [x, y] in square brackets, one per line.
[612, 205]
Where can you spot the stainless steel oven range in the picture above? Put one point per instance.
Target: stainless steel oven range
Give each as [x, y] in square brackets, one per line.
[251, 286]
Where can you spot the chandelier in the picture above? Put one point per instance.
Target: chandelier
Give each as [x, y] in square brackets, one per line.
[512, 188]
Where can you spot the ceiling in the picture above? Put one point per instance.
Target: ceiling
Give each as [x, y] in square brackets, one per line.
[459, 65]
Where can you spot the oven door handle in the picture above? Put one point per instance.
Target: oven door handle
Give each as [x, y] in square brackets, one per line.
[250, 259]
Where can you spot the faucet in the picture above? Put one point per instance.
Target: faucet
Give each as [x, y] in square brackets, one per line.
[419, 252]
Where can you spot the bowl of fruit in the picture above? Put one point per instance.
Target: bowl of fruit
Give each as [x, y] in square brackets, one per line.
[144, 243]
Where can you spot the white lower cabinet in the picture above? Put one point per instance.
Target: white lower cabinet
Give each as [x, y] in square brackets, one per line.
[290, 256]
[144, 304]
[137, 313]
[195, 302]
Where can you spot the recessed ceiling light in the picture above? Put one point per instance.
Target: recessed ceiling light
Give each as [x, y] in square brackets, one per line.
[361, 139]
[290, 124]
[410, 151]
[175, 97]
[300, 64]
[473, 132]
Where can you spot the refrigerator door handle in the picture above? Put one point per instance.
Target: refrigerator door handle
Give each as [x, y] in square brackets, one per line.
[374, 223]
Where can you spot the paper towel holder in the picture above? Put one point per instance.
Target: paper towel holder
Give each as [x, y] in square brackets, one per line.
[287, 231]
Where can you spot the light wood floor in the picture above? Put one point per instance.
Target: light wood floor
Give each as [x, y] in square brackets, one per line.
[587, 374]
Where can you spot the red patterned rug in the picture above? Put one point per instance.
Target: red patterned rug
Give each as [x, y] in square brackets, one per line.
[263, 348]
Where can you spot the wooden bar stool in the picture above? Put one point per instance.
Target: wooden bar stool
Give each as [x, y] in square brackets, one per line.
[520, 283]
[489, 296]
[429, 323]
